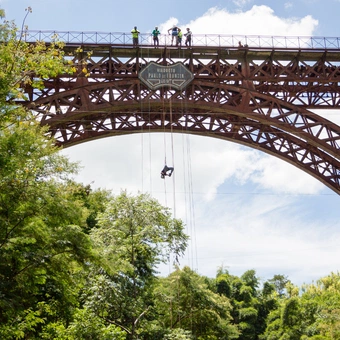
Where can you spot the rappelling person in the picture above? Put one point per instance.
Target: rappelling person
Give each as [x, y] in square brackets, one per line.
[167, 171]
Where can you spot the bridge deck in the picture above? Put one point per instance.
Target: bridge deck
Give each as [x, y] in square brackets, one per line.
[220, 40]
[208, 52]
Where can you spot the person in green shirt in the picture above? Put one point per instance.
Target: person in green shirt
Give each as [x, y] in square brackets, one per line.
[155, 34]
[135, 35]
[179, 38]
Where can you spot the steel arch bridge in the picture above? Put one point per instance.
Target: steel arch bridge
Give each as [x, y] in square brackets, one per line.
[262, 97]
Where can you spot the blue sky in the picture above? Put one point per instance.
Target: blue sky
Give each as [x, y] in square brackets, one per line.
[243, 209]
[111, 16]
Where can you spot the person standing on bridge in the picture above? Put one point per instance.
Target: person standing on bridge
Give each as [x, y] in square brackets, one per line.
[155, 34]
[188, 37]
[135, 35]
[174, 33]
[179, 38]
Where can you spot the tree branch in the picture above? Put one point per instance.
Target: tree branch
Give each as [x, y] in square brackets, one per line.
[118, 325]
[137, 320]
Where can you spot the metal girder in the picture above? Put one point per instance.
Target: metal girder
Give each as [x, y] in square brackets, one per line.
[256, 97]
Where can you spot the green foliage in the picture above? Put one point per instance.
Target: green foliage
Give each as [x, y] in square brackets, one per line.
[133, 235]
[23, 64]
[325, 295]
[313, 314]
[41, 237]
[185, 302]
[88, 326]
[141, 229]
[250, 305]
[279, 282]
[178, 334]
[223, 283]
[42, 245]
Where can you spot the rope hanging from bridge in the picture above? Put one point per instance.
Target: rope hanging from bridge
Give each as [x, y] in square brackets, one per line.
[172, 154]
[149, 131]
[189, 191]
[168, 170]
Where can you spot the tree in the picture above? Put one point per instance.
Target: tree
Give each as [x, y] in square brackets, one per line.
[41, 236]
[23, 64]
[323, 300]
[42, 243]
[294, 318]
[279, 281]
[133, 236]
[250, 305]
[184, 301]
[86, 325]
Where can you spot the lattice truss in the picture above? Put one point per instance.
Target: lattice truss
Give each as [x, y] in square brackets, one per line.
[256, 99]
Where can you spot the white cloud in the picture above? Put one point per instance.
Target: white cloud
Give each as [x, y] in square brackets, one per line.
[266, 233]
[259, 20]
[279, 176]
[165, 26]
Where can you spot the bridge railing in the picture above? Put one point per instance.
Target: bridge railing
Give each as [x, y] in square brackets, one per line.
[125, 39]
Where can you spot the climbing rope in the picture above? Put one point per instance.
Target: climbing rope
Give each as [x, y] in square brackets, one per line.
[172, 154]
[189, 193]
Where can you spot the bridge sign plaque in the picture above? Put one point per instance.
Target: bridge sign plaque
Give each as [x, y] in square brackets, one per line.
[175, 75]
